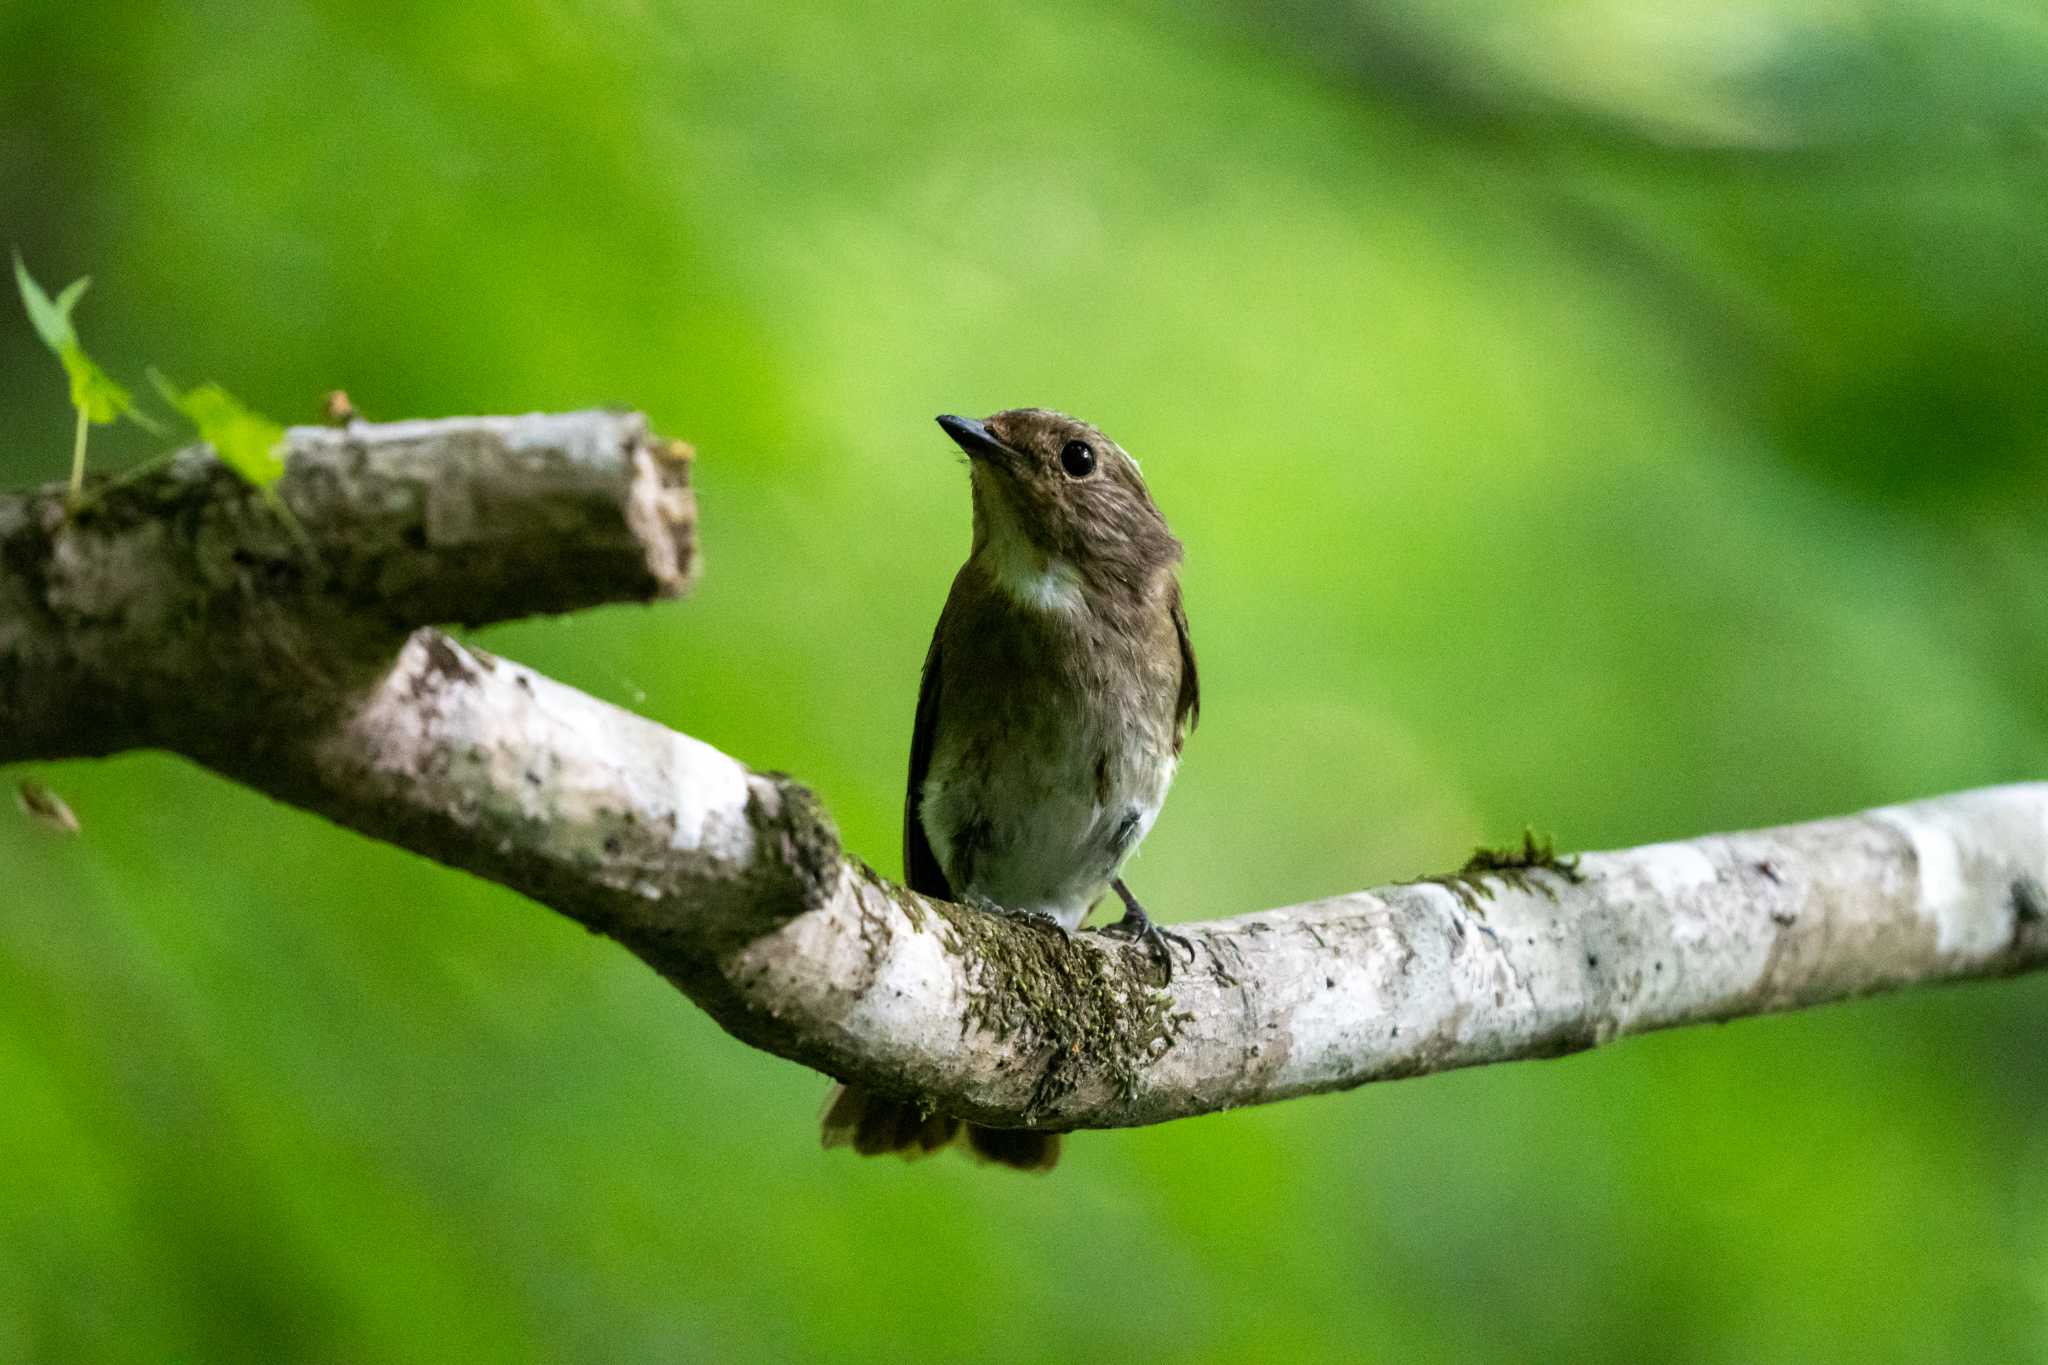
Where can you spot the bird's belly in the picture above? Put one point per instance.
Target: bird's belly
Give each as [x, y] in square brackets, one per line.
[1046, 829]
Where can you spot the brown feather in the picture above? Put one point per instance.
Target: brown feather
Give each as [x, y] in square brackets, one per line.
[1021, 1149]
[876, 1125]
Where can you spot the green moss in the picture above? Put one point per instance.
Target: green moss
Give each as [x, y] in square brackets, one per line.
[1513, 866]
[1087, 1011]
[800, 839]
[909, 902]
[876, 897]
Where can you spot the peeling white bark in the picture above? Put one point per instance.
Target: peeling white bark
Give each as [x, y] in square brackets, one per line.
[733, 884]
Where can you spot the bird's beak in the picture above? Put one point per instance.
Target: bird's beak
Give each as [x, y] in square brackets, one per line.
[976, 439]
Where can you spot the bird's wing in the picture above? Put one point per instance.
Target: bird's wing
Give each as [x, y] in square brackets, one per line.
[921, 870]
[1187, 707]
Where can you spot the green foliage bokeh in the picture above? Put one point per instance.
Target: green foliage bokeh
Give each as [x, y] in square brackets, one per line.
[1625, 418]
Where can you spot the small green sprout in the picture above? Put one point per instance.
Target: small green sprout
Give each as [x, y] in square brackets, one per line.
[98, 399]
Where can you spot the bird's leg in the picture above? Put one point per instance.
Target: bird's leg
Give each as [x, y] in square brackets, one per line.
[1137, 926]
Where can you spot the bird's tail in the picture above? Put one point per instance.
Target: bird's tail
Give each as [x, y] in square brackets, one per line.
[876, 1125]
[1021, 1149]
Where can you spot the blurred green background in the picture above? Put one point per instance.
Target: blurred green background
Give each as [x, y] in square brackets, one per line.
[1624, 416]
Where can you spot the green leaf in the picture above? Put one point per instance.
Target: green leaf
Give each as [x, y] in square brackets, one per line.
[73, 292]
[246, 441]
[93, 391]
[52, 320]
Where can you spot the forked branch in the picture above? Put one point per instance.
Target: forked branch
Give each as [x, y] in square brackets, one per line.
[175, 613]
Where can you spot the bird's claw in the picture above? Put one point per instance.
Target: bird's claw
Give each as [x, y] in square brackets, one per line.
[1037, 918]
[1137, 927]
[1045, 921]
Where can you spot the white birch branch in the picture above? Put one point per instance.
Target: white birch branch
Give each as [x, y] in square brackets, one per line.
[733, 885]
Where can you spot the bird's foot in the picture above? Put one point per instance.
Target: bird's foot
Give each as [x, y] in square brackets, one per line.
[1039, 918]
[1137, 927]
[1043, 921]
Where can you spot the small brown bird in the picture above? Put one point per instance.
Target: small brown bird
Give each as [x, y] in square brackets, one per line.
[1058, 689]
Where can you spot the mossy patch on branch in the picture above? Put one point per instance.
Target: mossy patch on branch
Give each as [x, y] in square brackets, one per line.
[793, 825]
[1089, 1010]
[1513, 866]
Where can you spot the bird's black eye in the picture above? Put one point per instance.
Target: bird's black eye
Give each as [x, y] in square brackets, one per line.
[1078, 459]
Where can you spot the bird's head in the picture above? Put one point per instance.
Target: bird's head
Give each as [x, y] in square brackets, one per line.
[1055, 498]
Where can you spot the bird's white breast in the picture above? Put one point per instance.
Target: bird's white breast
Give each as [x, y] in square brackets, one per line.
[1054, 832]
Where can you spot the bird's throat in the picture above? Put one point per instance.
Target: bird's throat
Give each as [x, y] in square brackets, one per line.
[1025, 573]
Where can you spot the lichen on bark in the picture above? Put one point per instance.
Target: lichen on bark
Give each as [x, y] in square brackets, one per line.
[1080, 1007]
